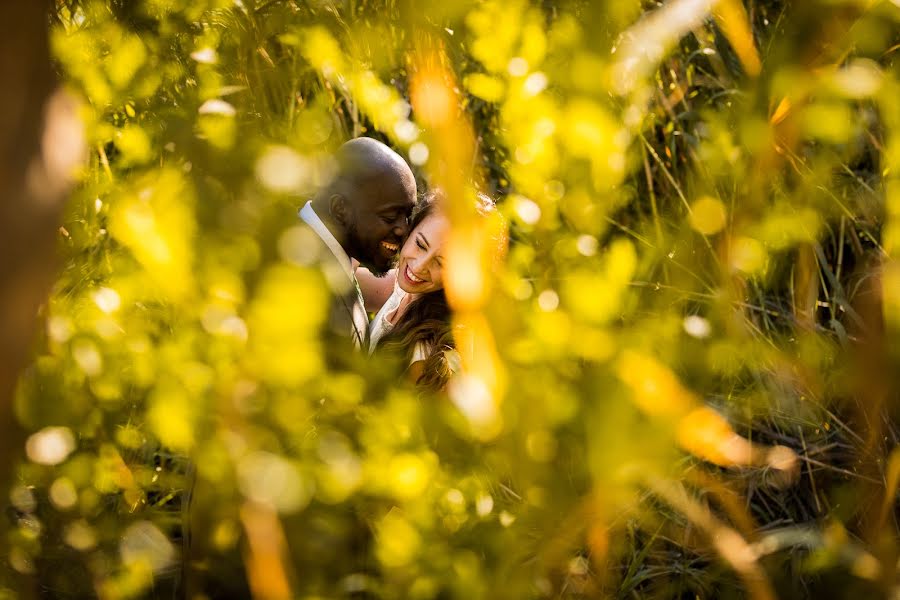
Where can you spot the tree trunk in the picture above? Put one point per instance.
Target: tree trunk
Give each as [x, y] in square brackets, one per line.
[40, 142]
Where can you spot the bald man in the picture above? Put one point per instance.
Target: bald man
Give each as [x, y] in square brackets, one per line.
[363, 214]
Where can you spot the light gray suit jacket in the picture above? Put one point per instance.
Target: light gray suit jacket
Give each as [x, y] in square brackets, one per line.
[347, 315]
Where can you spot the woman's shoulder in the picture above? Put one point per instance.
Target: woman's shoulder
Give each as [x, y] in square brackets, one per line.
[376, 290]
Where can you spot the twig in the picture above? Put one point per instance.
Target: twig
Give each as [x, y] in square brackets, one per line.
[812, 480]
[840, 470]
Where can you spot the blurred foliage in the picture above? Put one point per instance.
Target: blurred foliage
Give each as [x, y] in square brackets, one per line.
[696, 325]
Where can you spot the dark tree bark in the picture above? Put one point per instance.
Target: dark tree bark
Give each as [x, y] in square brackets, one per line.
[40, 141]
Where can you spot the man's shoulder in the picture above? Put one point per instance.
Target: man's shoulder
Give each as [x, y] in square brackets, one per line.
[306, 247]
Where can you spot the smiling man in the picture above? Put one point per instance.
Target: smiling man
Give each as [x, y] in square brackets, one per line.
[363, 214]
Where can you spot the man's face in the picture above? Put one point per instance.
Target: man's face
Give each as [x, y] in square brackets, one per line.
[378, 223]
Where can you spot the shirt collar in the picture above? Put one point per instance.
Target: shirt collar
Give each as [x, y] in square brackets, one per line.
[312, 219]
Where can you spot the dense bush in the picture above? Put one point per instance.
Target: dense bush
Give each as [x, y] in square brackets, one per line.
[681, 382]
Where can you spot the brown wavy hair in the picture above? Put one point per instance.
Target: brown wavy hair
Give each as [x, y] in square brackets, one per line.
[427, 318]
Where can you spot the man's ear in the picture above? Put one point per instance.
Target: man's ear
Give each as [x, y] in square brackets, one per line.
[338, 209]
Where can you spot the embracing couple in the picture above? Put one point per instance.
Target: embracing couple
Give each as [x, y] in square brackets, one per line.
[384, 251]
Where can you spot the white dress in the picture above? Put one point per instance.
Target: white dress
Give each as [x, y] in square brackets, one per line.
[381, 325]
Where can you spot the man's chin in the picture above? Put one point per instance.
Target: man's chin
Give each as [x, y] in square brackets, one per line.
[379, 270]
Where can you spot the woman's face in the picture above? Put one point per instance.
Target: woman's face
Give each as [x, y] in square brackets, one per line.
[420, 269]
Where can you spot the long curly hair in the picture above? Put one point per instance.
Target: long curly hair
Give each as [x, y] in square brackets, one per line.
[426, 320]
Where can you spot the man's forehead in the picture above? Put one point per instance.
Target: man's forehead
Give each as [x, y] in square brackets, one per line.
[388, 197]
[382, 192]
[401, 203]
[397, 205]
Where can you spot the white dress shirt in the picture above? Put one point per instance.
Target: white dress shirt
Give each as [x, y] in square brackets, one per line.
[381, 325]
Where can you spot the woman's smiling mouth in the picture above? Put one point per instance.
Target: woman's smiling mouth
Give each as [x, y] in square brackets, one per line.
[411, 276]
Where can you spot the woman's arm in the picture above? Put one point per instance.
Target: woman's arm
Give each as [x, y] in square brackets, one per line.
[417, 362]
[375, 290]
[415, 370]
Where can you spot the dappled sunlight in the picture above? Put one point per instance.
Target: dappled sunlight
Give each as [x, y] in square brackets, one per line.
[50, 446]
[673, 368]
[475, 243]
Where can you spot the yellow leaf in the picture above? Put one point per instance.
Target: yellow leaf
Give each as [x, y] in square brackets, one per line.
[655, 388]
[171, 420]
[781, 111]
[708, 215]
[123, 62]
[323, 51]
[489, 89]
[398, 541]
[155, 220]
[135, 145]
[732, 18]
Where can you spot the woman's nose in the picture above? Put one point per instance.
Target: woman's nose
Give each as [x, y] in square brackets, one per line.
[421, 262]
